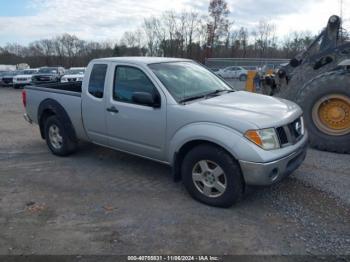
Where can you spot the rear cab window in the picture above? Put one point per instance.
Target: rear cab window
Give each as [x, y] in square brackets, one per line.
[97, 80]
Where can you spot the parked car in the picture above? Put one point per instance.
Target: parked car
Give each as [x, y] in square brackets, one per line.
[251, 68]
[48, 75]
[7, 78]
[73, 74]
[1, 75]
[233, 72]
[24, 78]
[214, 69]
[174, 111]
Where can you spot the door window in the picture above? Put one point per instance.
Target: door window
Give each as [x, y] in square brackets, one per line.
[127, 81]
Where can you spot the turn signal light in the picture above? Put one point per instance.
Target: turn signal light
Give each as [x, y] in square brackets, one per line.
[254, 136]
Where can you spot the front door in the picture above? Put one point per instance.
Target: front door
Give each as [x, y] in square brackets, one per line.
[132, 127]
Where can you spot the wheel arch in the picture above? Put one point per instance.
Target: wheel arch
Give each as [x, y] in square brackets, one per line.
[50, 107]
[187, 147]
[183, 141]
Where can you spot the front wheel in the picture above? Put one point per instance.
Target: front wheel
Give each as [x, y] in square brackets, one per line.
[212, 176]
[57, 137]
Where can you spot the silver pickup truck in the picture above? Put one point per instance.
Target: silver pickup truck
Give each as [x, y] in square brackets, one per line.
[175, 111]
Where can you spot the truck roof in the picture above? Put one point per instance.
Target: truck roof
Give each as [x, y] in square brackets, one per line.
[142, 60]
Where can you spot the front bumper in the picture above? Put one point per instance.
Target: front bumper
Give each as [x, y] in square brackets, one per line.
[7, 84]
[264, 174]
[20, 85]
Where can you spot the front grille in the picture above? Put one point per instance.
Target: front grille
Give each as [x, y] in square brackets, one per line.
[42, 78]
[291, 133]
[282, 135]
[7, 80]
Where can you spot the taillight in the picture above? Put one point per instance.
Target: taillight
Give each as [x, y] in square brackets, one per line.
[24, 98]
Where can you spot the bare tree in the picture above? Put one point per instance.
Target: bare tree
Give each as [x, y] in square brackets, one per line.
[150, 28]
[178, 34]
[218, 12]
[296, 42]
[265, 36]
[243, 35]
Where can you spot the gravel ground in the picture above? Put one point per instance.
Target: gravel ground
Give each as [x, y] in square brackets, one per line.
[100, 201]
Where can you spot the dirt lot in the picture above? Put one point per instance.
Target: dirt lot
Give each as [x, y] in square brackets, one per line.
[99, 201]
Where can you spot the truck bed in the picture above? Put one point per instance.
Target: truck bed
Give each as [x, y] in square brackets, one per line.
[67, 95]
[70, 86]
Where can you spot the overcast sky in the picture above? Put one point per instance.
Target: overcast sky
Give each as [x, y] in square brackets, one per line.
[23, 21]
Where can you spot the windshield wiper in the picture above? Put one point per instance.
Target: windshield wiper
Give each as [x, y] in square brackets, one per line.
[205, 95]
[218, 91]
[192, 98]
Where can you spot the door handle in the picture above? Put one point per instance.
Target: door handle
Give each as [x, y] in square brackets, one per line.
[112, 110]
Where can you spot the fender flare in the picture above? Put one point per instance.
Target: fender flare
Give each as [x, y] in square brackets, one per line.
[225, 137]
[50, 107]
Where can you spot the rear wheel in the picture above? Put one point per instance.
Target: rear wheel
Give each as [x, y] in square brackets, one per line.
[212, 176]
[326, 105]
[243, 78]
[57, 137]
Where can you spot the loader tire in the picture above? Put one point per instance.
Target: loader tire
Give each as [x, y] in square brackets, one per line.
[325, 101]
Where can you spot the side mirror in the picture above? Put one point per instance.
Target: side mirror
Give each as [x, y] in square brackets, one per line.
[147, 99]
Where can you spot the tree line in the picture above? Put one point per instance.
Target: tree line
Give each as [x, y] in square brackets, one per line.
[186, 34]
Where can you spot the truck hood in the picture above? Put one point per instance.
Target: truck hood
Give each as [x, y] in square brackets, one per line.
[45, 74]
[23, 76]
[73, 76]
[243, 110]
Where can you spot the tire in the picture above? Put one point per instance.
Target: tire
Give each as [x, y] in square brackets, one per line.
[325, 88]
[243, 78]
[231, 177]
[57, 138]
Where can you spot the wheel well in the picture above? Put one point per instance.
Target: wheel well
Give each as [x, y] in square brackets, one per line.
[44, 116]
[51, 107]
[181, 153]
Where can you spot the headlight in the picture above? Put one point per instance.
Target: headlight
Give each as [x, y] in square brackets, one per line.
[265, 138]
[80, 78]
[63, 80]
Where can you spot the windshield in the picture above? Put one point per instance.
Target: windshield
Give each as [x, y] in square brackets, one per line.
[29, 72]
[186, 79]
[48, 70]
[75, 72]
[9, 73]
